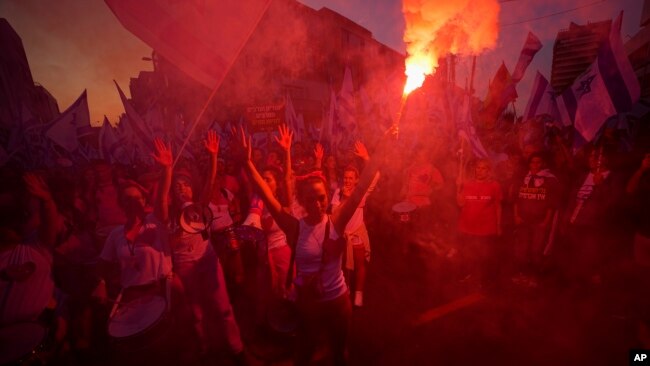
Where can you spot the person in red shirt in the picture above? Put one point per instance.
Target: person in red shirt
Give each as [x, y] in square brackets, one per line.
[479, 223]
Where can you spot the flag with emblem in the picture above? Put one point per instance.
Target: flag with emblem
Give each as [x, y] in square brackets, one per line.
[608, 87]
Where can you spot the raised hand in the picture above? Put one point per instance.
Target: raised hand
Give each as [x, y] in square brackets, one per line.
[319, 152]
[392, 131]
[37, 186]
[241, 143]
[211, 142]
[163, 154]
[286, 137]
[361, 151]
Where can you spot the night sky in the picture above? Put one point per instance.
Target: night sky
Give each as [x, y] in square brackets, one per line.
[74, 45]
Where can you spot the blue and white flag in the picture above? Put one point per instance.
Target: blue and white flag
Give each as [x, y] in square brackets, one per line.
[466, 130]
[528, 52]
[608, 87]
[63, 130]
[541, 100]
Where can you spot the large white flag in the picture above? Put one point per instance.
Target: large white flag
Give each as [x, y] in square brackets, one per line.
[202, 38]
[63, 130]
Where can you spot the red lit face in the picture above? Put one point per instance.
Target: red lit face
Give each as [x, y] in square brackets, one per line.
[536, 164]
[132, 201]
[350, 180]
[270, 180]
[314, 200]
[482, 170]
[183, 189]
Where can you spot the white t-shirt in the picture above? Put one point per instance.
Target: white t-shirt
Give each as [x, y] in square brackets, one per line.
[26, 298]
[147, 259]
[309, 254]
[187, 247]
[275, 237]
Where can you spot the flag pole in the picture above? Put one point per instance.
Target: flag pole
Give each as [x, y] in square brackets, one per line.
[217, 85]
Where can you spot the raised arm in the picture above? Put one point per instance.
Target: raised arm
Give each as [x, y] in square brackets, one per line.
[211, 144]
[51, 220]
[319, 152]
[163, 156]
[285, 140]
[286, 222]
[341, 217]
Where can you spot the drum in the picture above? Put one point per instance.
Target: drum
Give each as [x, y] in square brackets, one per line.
[250, 234]
[23, 344]
[403, 211]
[141, 323]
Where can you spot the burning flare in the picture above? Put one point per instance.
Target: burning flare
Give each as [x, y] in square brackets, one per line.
[435, 28]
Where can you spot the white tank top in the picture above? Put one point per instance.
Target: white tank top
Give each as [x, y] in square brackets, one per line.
[309, 254]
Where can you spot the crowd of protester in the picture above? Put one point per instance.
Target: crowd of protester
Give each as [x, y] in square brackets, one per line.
[80, 245]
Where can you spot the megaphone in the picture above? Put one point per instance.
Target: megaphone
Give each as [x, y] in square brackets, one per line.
[195, 219]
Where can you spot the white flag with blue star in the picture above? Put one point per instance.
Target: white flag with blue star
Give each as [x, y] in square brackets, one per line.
[608, 87]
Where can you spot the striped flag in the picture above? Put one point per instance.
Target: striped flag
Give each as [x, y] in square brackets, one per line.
[567, 104]
[63, 130]
[541, 100]
[608, 87]
[501, 92]
[466, 130]
[528, 52]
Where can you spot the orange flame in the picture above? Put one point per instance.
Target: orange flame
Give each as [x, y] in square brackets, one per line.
[436, 28]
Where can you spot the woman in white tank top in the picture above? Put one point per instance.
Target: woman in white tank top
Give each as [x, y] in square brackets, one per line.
[323, 302]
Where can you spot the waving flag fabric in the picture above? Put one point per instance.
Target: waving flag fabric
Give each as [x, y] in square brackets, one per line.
[528, 52]
[63, 130]
[202, 38]
[609, 86]
[541, 100]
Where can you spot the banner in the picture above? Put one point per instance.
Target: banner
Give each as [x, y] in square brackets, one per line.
[265, 118]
